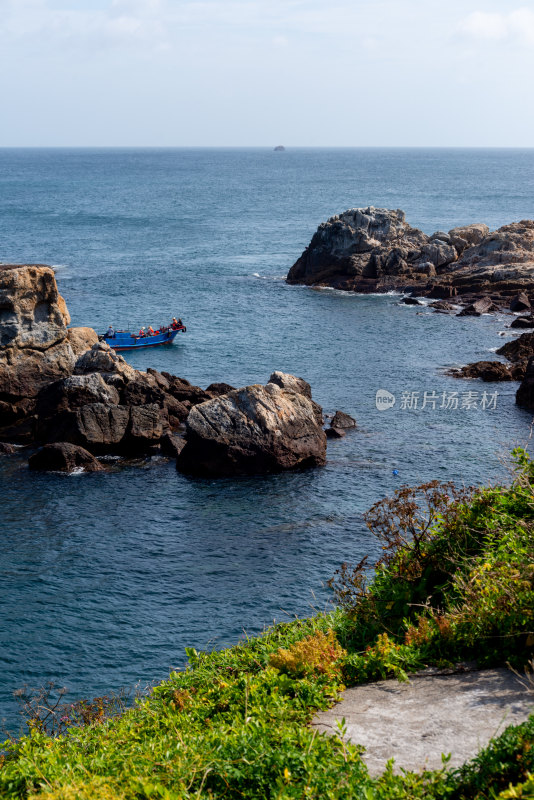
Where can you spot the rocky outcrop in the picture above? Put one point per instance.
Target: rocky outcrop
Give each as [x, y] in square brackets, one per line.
[107, 406]
[375, 249]
[491, 371]
[525, 394]
[34, 346]
[253, 430]
[520, 349]
[79, 398]
[63, 457]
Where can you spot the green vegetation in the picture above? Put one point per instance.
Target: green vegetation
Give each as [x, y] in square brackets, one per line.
[455, 582]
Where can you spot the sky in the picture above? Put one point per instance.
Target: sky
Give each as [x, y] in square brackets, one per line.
[265, 72]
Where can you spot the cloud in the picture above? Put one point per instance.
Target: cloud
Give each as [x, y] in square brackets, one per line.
[516, 25]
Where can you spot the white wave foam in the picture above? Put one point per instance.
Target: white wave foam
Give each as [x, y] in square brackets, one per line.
[268, 277]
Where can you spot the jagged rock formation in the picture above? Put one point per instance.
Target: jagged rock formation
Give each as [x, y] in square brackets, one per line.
[35, 345]
[256, 429]
[375, 249]
[60, 384]
[67, 390]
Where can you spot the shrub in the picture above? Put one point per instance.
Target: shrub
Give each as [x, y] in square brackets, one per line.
[319, 653]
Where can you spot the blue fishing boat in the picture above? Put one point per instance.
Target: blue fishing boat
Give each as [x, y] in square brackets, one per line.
[125, 340]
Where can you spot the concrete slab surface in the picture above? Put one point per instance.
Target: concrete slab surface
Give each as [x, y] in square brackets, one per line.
[416, 722]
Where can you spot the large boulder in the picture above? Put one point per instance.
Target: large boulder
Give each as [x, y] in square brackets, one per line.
[257, 429]
[64, 457]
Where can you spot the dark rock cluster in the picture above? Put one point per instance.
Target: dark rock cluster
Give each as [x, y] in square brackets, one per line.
[72, 394]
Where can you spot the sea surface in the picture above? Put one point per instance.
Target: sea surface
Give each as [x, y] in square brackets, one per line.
[106, 578]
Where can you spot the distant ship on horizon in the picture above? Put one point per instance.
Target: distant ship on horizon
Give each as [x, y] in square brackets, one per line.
[279, 148]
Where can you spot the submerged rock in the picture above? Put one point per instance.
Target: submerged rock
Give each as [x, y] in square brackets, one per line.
[64, 457]
[254, 430]
[334, 433]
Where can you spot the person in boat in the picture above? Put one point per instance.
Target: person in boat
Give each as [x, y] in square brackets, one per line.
[110, 333]
[180, 323]
[174, 323]
[142, 332]
[150, 331]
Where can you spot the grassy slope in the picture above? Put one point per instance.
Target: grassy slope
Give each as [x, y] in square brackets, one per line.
[453, 584]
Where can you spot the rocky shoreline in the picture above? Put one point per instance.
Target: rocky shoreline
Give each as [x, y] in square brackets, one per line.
[63, 390]
[73, 396]
[470, 270]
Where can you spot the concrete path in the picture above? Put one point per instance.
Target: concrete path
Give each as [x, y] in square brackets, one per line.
[416, 722]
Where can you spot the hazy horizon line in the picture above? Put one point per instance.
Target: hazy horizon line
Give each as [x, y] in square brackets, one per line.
[260, 147]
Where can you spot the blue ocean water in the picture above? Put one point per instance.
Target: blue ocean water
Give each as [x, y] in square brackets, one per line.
[106, 578]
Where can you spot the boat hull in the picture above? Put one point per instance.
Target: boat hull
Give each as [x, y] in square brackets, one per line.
[124, 340]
